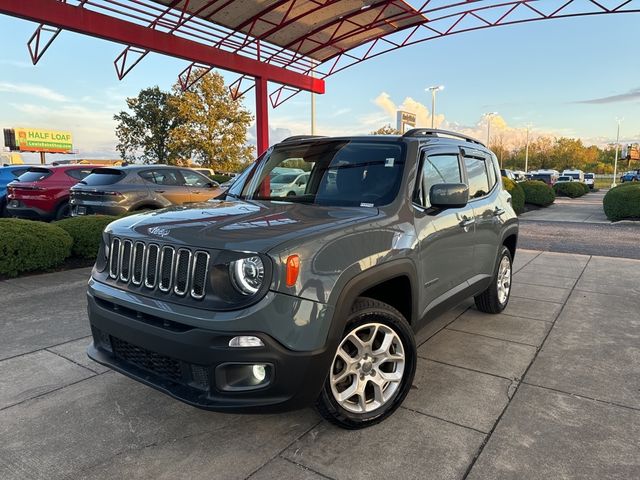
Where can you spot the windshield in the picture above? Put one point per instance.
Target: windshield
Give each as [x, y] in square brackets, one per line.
[35, 175]
[103, 176]
[341, 173]
[565, 178]
[284, 178]
[589, 176]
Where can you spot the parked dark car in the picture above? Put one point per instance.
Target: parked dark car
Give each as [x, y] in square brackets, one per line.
[118, 190]
[546, 177]
[42, 193]
[258, 302]
[8, 173]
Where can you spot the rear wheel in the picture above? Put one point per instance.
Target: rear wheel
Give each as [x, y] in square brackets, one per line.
[63, 211]
[372, 369]
[496, 297]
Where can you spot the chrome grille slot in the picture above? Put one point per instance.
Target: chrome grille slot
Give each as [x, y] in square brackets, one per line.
[179, 271]
[138, 263]
[125, 260]
[199, 272]
[152, 263]
[114, 257]
[167, 263]
[183, 264]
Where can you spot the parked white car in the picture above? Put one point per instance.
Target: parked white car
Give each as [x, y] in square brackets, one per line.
[564, 179]
[590, 179]
[289, 184]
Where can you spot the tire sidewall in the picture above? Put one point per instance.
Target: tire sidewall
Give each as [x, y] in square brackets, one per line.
[504, 252]
[395, 321]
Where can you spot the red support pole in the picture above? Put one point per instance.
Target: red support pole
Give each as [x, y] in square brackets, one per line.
[262, 115]
[262, 128]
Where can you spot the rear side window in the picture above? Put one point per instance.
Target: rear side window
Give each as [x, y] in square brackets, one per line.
[194, 179]
[162, 177]
[35, 175]
[16, 172]
[103, 176]
[79, 174]
[478, 178]
[437, 169]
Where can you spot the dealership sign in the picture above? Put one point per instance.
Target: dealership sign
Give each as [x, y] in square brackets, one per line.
[37, 140]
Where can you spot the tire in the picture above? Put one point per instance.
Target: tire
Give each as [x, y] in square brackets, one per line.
[380, 378]
[63, 211]
[291, 194]
[495, 299]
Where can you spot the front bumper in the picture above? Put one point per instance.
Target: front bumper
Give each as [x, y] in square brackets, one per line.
[191, 363]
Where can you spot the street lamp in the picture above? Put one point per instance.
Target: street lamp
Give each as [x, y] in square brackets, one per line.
[488, 116]
[526, 152]
[433, 91]
[615, 162]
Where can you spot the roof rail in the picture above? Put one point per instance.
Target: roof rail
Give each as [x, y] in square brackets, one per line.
[433, 132]
[302, 137]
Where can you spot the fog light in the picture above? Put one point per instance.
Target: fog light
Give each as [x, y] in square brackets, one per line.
[246, 341]
[259, 373]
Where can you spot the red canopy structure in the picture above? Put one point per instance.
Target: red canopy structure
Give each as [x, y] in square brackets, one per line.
[295, 44]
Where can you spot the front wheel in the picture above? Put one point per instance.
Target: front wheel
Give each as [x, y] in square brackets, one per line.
[63, 211]
[496, 297]
[372, 369]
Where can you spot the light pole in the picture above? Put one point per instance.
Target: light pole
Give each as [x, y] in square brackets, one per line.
[488, 116]
[615, 162]
[433, 91]
[526, 152]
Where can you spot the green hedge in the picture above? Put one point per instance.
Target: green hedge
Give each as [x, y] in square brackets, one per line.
[220, 178]
[26, 245]
[623, 202]
[538, 193]
[86, 233]
[569, 189]
[517, 194]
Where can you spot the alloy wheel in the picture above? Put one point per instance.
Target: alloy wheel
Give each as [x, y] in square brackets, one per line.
[368, 367]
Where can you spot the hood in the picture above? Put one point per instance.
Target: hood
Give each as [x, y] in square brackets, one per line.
[237, 225]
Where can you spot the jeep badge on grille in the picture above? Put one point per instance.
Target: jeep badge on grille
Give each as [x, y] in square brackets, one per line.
[159, 231]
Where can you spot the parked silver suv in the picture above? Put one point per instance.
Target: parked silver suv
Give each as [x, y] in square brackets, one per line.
[263, 301]
[118, 190]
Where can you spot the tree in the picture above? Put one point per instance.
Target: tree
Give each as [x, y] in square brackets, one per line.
[386, 130]
[143, 134]
[213, 126]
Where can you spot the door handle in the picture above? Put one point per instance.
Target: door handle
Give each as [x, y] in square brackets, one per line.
[197, 192]
[159, 191]
[467, 222]
[498, 212]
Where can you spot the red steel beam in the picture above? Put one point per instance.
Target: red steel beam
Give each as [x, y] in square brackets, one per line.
[81, 20]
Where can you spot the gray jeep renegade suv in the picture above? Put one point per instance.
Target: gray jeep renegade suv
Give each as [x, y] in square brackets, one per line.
[264, 303]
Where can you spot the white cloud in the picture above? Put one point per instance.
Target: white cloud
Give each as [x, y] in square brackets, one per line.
[32, 90]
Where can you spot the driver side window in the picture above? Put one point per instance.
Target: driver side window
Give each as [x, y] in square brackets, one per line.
[437, 168]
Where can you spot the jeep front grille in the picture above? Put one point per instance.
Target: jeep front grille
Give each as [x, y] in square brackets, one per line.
[167, 269]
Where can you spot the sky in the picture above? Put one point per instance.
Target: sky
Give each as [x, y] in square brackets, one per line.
[567, 77]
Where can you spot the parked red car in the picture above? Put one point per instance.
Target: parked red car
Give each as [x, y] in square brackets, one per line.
[43, 192]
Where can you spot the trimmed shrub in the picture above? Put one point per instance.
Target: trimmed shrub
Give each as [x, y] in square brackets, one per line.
[585, 187]
[569, 189]
[86, 233]
[220, 178]
[623, 202]
[517, 194]
[537, 193]
[26, 245]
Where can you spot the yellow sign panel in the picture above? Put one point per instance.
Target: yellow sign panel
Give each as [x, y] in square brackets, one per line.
[33, 140]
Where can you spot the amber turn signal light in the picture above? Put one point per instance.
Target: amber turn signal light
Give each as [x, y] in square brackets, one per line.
[293, 269]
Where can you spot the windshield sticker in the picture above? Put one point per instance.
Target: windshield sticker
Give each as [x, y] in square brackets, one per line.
[368, 205]
[389, 162]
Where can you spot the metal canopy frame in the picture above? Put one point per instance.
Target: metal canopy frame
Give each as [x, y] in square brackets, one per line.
[296, 44]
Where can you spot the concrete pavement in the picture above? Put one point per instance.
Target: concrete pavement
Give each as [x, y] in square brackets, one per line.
[585, 209]
[548, 389]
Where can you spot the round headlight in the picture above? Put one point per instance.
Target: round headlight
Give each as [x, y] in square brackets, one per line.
[247, 274]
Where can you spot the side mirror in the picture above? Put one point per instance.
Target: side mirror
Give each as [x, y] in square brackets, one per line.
[449, 195]
[213, 184]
